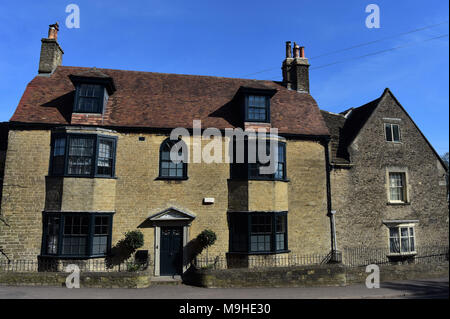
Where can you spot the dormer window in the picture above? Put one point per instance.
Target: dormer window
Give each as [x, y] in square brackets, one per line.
[92, 90]
[255, 104]
[90, 98]
[257, 108]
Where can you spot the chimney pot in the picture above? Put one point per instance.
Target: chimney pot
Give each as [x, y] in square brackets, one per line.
[296, 50]
[288, 49]
[302, 52]
[53, 31]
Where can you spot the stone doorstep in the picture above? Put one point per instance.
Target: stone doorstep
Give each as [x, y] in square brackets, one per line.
[166, 280]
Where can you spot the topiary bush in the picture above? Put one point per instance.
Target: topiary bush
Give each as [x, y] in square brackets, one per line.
[134, 239]
[207, 238]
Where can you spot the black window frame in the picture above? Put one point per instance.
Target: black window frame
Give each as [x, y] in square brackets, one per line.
[248, 106]
[243, 220]
[161, 176]
[390, 138]
[97, 138]
[102, 99]
[245, 170]
[61, 235]
[267, 109]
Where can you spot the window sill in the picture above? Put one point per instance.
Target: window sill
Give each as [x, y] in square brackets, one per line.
[407, 254]
[72, 257]
[286, 180]
[84, 176]
[88, 113]
[260, 253]
[160, 178]
[398, 203]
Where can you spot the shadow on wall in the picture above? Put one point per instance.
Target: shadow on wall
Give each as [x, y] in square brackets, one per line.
[191, 251]
[125, 248]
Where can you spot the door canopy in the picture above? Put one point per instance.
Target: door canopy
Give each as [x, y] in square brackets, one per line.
[172, 214]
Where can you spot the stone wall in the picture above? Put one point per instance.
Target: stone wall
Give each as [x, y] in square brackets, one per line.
[309, 276]
[87, 280]
[360, 193]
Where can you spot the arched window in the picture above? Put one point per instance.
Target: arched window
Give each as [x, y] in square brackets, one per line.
[167, 168]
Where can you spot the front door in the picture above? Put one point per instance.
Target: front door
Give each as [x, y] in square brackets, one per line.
[171, 252]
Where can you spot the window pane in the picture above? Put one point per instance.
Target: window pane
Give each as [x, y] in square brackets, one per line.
[169, 168]
[60, 146]
[280, 242]
[101, 225]
[90, 98]
[405, 245]
[393, 232]
[105, 157]
[74, 245]
[261, 232]
[411, 240]
[396, 133]
[256, 108]
[394, 245]
[99, 245]
[396, 185]
[388, 132]
[52, 234]
[404, 232]
[80, 155]
[75, 235]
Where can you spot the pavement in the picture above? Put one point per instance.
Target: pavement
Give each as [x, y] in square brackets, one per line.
[431, 288]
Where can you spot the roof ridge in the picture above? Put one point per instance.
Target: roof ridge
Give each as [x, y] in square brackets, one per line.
[332, 113]
[163, 73]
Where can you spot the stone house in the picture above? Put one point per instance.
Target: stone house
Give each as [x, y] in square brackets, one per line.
[388, 183]
[88, 159]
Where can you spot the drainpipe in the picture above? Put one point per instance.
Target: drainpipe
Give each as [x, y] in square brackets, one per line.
[330, 213]
[333, 231]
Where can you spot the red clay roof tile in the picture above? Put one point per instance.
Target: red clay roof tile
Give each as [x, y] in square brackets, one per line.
[158, 100]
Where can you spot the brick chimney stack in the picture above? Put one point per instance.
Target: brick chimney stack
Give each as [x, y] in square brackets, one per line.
[296, 69]
[51, 52]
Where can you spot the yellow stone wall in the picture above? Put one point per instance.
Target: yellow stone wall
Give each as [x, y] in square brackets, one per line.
[136, 194]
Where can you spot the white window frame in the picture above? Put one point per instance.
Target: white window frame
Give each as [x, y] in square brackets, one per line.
[392, 133]
[404, 187]
[399, 226]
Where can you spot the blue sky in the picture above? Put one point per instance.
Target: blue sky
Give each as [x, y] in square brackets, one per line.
[236, 38]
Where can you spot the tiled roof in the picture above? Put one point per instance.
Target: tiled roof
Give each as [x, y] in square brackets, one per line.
[158, 100]
[335, 123]
[344, 129]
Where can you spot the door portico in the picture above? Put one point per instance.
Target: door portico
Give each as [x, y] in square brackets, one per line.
[168, 223]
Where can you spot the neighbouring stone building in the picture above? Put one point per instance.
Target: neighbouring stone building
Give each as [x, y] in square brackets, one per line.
[388, 183]
[88, 159]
